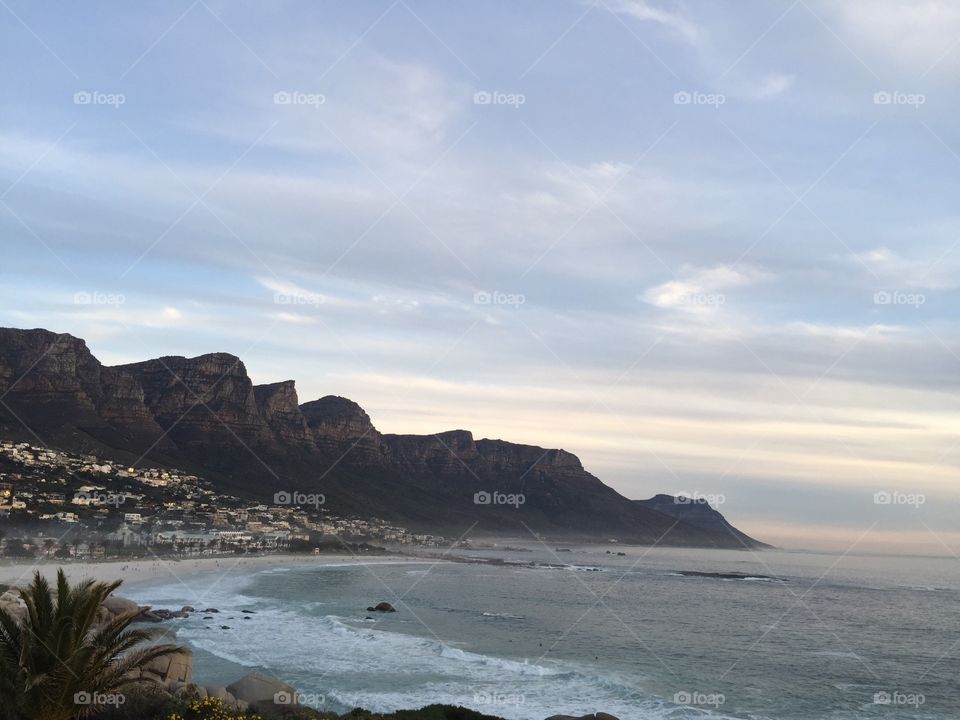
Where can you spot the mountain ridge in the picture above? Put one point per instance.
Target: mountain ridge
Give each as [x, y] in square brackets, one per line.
[205, 413]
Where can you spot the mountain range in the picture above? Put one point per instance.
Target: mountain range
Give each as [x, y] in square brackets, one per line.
[205, 415]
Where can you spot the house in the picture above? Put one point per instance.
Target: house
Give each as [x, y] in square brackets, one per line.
[126, 536]
[234, 537]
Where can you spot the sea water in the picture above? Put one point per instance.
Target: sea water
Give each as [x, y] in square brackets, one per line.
[801, 636]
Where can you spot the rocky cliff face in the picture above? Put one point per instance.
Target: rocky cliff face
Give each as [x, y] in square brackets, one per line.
[53, 383]
[121, 405]
[206, 414]
[49, 368]
[698, 513]
[441, 454]
[200, 400]
[339, 426]
[278, 407]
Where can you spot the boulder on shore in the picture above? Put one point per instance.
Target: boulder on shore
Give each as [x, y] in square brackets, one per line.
[11, 602]
[174, 668]
[256, 688]
[120, 606]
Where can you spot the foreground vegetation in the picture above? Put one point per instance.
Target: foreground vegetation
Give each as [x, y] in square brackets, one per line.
[152, 706]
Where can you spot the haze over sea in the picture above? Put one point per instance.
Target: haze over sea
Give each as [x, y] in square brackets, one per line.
[829, 637]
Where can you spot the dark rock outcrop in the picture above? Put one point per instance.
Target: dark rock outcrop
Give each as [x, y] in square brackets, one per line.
[52, 383]
[201, 400]
[339, 425]
[278, 407]
[698, 513]
[382, 607]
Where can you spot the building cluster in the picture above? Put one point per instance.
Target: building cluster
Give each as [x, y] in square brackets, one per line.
[55, 504]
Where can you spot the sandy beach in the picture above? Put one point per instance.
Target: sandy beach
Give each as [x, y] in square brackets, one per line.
[135, 572]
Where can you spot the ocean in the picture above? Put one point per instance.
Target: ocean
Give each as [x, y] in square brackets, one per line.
[830, 637]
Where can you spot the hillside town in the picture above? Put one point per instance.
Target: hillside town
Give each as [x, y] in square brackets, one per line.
[60, 505]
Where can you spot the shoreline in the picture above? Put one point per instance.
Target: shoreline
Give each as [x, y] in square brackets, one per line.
[139, 572]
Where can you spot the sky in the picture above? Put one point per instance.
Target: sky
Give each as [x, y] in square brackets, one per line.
[709, 248]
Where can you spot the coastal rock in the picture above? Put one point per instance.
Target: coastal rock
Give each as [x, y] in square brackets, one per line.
[382, 607]
[120, 606]
[729, 575]
[11, 603]
[216, 691]
[256, 688]
[169, 669]
[160, 614]
[153, 677]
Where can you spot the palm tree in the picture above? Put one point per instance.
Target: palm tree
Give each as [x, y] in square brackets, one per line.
[59, 654]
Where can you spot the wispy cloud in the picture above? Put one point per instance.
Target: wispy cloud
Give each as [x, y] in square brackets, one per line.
[701, 290]
[647, 11]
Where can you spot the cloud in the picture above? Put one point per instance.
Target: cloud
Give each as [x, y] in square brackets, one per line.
[772, 85]
[913, 34]
[699, 290]
[379, 109]
[288, 293]
[295, 318]
[646, 11]
[900, 271]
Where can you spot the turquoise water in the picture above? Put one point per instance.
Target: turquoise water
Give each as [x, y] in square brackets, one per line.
[833, 637]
